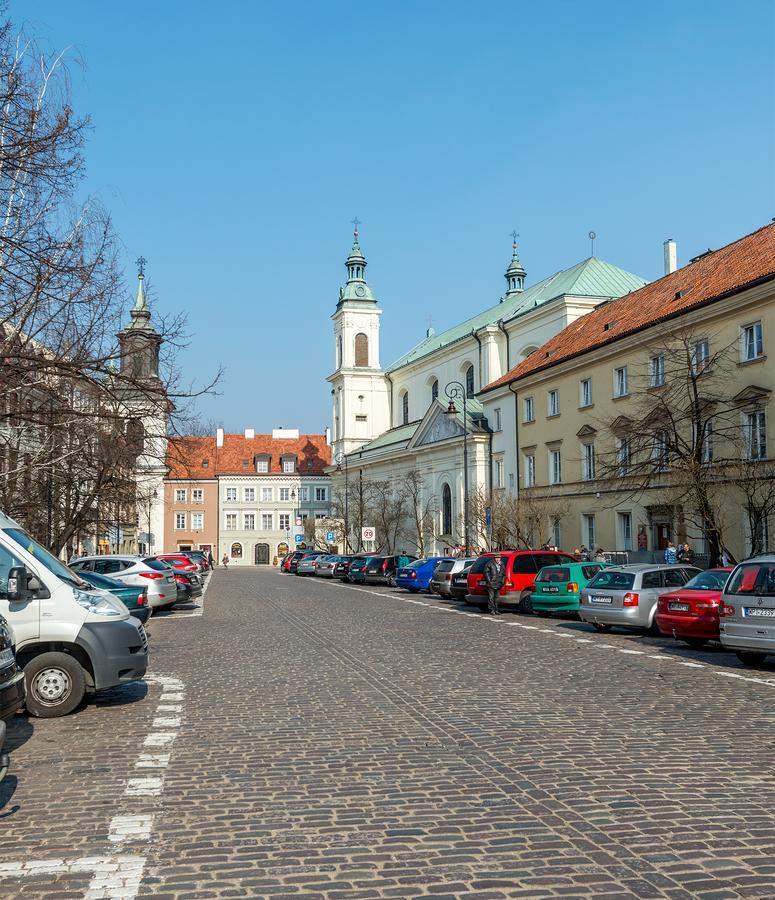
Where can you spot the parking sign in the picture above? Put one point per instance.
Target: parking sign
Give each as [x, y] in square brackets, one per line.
[330, 536]
[368, 533]
[298, 538]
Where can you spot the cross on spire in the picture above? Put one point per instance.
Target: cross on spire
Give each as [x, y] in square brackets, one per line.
[356, 222]
[141, 263]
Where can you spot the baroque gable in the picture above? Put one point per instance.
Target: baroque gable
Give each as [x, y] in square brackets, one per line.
[436, 426]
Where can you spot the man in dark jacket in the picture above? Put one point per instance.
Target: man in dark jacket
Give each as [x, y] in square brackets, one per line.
[494, 579]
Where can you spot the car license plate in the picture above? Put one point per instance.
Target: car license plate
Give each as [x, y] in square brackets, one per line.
[678, 607]
[597, 599]
[758, 612]
[551, 590]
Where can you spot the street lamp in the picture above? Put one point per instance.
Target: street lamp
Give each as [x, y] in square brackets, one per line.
[456, 391]
[151, 498]
[338, 459]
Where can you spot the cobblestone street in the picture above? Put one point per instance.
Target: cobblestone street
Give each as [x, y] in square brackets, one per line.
[310, 739]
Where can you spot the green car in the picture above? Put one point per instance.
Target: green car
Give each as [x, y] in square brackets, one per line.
[558, 588]
[134, 598]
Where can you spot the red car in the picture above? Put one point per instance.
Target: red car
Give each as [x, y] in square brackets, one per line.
[691, 612]
[179, 561]
[522, 566]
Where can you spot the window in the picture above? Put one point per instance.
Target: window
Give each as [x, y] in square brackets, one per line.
[266, 495]
[339, 351]
[361, 418]
[361, 350]
[588, 462]
[434, 390]
[756, 434]
[530, 470]
[303, 495]
[285, 495]
[556, 532]
[180, 521]
[511, 481]
[758, 532]
[555, 467]
[621, 387]
[446, 510]
[585, 392]
[657, 371]
[231, 493]
[496, 414]
[470, 381]
[180, 495]
[289, 465]
[236, 551]
[231, 521]
[498, 473]
[262, 465]
[707, 443]
[249, 522]
[553, 403]
[623, 455]
[197, 495]
[528, 406]
[285, 521]
[405, 408]
[588, 530]
[659, 450]
[753, 344]
[267, 521]
[321, 493]
[197, 521]
[250, 495]
[624, 520]
[701, 356]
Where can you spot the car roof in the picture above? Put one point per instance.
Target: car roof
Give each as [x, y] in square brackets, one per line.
[111, 556]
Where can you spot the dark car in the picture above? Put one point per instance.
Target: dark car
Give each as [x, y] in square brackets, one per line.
[189, 585]
[12, 689]
[383, 569]
[342, 570]
[134, 598]
[297, 555]
[357, 571]
[458, 587]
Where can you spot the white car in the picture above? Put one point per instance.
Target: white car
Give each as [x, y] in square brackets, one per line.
[142, 571]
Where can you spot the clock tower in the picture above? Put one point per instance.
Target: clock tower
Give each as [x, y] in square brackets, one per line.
[359, 388]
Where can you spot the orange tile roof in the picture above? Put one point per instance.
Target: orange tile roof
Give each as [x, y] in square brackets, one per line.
[199, 458]
[741, 264]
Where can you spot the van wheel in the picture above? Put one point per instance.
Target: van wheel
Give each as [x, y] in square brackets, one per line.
[750, 657]
[525, 603]
[603, 629]
[55, 685]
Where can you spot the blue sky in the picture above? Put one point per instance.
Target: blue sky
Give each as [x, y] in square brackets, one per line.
[234, 142]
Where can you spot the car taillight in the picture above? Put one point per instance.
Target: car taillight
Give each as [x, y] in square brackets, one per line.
[180, 578]
[141, 599]
[447, 578]
[630, 599]
[152, 575]
[413, 574]
[725, 609]
[572, 587]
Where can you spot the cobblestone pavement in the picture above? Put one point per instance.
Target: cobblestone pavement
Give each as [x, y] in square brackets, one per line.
[314, 740]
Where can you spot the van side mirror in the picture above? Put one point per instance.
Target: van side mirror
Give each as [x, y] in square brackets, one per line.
[18, 590]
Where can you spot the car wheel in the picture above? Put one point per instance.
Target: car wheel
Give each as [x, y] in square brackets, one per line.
[56, 684]
[525, 603]
[541, 613]
[750, 657]
[603, 629]
[696, 643]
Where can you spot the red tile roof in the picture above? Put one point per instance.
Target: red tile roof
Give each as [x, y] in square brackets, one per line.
[741, 264]
[198, 457]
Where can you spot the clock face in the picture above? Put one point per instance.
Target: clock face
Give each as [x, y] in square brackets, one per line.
[360, 290]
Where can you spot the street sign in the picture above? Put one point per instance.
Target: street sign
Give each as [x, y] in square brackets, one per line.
[298, 538]
[368, 533]
[330, 536]
[298, 520]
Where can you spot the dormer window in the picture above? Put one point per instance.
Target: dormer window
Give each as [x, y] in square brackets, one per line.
[205, 463]
[262, 463]
[289, 464]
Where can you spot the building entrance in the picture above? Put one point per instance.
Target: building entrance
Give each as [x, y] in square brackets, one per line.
[262, 554]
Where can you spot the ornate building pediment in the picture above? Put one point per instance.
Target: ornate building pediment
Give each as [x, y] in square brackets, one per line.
[438, 426]
[753, 395]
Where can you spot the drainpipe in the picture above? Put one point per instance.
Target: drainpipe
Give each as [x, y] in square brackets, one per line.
[516, 432]
[489, 535]
[390, 400]
[478, 341]
[506, 335]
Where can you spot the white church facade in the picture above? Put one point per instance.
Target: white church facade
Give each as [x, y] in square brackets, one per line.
[387, 422]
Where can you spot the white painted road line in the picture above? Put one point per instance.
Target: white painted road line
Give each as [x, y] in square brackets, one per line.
[166, 722]
[114, 877]
[144, 787]
[135, 828]
[152, 761]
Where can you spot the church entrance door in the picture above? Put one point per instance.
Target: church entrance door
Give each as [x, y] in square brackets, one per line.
[262, 554]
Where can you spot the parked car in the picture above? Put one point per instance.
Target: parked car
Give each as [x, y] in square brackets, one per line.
[306, 565]
[383, 569]
[628, 595]
[199, 556]
[691, 613]
[298, 555]
[70, 637]
[458, 587]
[189, 585]
[417, 575]
[13, 690]
[521, 566]
[285, 564]
[134, 598]
[180, 561]
[558, 588]
[325, 566]
[138, 571]
[747, 610]
[357, 572]
[441, 581]
[342, 568]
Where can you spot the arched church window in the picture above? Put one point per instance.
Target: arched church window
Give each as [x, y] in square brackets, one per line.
[405, 408]
[135, 435]
[446, 510]
[470, 381]
[435, 390]
[339, 351]
[361, 350]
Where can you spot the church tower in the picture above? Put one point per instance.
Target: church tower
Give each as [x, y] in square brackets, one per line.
[146, 410]
[359, 388]
[515, 274]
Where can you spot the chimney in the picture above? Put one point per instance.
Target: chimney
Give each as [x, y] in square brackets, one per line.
[219, 437]
[671, 256]
[250, 433]
[328, 436]
[285, 434]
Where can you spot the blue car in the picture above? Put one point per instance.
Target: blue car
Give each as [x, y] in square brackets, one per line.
[417, 576]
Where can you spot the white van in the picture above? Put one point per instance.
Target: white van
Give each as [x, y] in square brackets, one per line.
[747, 610]
[70, 637]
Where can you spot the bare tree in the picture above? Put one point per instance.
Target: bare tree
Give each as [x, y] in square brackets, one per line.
[421, 510]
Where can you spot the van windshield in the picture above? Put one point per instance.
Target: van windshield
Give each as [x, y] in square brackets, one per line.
[45, 558]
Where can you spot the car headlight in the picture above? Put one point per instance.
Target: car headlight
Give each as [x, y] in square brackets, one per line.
[98, 604]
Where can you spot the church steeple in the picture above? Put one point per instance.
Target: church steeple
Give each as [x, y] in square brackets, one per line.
[515, 274]
[356, 287]
[141, 315]
[140, 341]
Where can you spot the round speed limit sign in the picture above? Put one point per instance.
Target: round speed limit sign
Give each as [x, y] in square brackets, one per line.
[367, 534]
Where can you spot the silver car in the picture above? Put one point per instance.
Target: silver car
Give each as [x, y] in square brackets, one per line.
[628, 595]
[441, 582]
[141, 571]
[325, 565]
[747, 610]
[306, 565]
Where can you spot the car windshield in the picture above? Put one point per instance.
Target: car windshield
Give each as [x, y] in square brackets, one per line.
[618, 581]
[45, 558]
[712, 580]
[755, 578]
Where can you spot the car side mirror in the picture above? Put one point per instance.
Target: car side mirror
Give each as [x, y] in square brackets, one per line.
[18, 590]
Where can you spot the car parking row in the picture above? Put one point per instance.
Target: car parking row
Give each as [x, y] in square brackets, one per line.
[733, 606]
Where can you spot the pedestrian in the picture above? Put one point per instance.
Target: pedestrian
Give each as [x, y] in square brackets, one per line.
[584, 553]
[494, 579]
[685, 554]
[225, 561]
[671, 556]
[210, 560]
[599, 555]
[577, 554]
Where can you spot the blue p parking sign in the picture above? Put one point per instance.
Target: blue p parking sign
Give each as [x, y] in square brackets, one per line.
[330, 536]
[298, 538]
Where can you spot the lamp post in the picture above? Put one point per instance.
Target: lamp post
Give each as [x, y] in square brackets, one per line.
[151, 498]
[339, 459]
[456, 391]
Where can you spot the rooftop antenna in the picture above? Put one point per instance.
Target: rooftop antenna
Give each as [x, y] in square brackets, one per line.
[592, 237]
